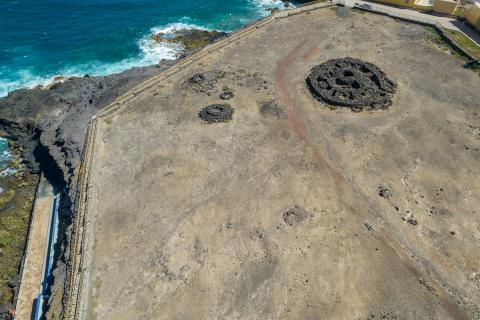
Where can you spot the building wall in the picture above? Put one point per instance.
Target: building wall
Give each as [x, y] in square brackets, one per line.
[422, 7]
[444, 6]
[473, 15]
[406, 3]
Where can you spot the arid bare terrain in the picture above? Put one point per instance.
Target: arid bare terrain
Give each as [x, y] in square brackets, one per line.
[292, 210]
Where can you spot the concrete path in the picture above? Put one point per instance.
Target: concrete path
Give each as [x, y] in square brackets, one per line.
[36, 250]
[442, 21]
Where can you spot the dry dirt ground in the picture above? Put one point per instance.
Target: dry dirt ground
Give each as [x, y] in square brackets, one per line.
[278, 215]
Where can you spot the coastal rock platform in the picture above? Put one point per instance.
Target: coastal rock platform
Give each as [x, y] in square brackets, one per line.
[312, 214]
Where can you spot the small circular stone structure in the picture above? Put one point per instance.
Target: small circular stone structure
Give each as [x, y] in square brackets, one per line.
[216, 113]
[227, 95]
[353, 83]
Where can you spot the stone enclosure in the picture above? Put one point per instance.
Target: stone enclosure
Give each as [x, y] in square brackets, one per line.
[351, 83]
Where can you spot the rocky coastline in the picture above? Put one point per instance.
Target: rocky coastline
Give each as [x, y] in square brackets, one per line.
[48, 126]
[17, 190]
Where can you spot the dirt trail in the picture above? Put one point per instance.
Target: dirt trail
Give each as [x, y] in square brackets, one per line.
[295, 120]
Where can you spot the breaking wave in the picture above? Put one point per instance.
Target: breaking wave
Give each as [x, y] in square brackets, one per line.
[149, 52]
[5, 156]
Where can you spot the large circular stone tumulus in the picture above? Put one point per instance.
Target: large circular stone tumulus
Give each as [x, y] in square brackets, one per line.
[216, 113]
[353, 83]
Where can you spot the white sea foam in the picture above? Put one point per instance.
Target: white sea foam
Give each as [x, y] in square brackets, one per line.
[5, 154]
[172, 27]
[25, 79]
[8, 172]
[150, 53]
[5, 157]
[265, 4]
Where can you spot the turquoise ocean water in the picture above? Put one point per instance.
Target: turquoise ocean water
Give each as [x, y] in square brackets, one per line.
[41, 39]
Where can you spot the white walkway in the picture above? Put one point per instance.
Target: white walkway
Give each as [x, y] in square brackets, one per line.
[36, 250]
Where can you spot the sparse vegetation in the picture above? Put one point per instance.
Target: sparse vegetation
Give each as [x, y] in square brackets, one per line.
[467, 44]
[459, 12]
[437, 40]
[15, 208]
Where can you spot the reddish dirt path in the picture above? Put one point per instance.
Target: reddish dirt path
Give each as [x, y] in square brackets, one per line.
[295, 120]
[297, 123]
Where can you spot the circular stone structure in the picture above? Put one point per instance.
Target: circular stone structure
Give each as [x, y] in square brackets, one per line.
[353, 83]
[216, 113]
[227, 95]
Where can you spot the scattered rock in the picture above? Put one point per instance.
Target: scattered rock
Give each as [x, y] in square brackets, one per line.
[412, 221]
[270, 108]
[368, 226]
[426, 285]
[295, 215]
[384, 192]
[216, 113]
[272, 10]
[382, 316]
[14, 282]
[443, 212]
[474, 276]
